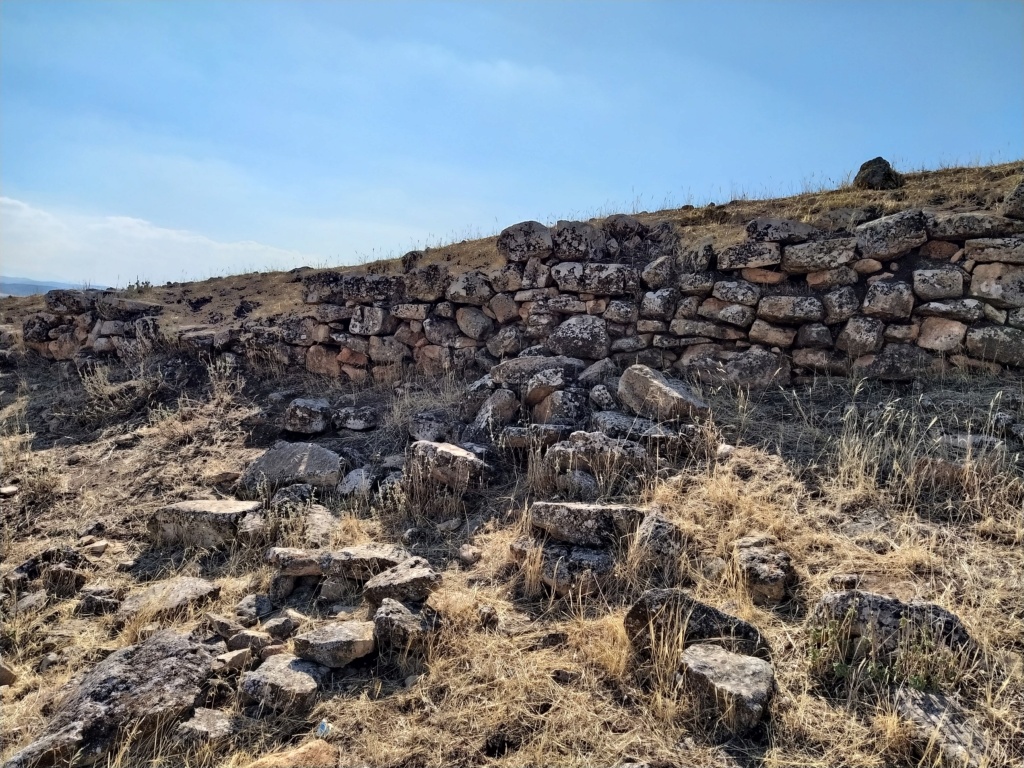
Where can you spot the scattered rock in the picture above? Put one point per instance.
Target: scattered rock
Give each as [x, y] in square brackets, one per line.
[649, 393]
[338, 644]
[411, 581]
[307, 416]
[587, 525]
[291, 463]
[399, 630]
[283, 683]
[448, 464]
[734, 689]
[211, 726]
[765, 570]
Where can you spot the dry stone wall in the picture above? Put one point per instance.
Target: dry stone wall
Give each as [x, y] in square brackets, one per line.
[892, 298]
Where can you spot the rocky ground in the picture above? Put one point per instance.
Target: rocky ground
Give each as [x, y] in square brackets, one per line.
[547, 561]
[204, 567]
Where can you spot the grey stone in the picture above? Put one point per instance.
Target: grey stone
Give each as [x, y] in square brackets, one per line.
[211, 726]
[794, 310]
[474, 323]
[566, 569]
[749, 254]
[971, 226]
[868, 625]
[283, 683]
[470, 288]
[840, 305]
[764, 568]
[1000, 344]
[523, 241]
[964, 310]
[1001, 285]
[877, 173]
[355, 418]
[307, 416]
[820, 255]
[518, 371]
[731, 688]
[399, 630]
[445, 463]
[337, 644]
[362, 561]
[651, 394]
[167, 599]
[411, 581]
[358, 483]
[861, 335]
[583, 524]
[1013, 205]
[889, 300]
[930, 284]
[290, 463]
[205, 523]
[891, 236]
[582, 336]
[814, 336]
[736, 292]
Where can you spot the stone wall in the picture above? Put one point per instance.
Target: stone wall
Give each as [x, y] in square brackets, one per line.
[890, 298]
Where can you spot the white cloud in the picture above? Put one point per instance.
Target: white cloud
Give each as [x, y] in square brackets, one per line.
[115, 250]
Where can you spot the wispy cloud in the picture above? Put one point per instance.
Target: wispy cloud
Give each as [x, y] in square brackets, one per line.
[117, 249]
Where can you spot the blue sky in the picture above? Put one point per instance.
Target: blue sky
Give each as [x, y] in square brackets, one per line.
[180, 140]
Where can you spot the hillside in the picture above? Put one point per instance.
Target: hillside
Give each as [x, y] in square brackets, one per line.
[664, 504]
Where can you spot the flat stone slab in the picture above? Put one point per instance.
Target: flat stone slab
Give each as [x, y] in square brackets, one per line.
[205, 523]
[565, 568]
[651, 394]
[732, 688]
[584, 524]
[445, 463]
[337, 645]
[363, 561]
[167, 599]
[283, 683]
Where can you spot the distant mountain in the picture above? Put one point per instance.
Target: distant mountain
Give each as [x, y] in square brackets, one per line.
[26, 286]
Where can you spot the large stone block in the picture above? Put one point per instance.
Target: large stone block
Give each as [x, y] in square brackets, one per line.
[891, 236]
[207, 523]
[651, 394]
[582, 336]
[749, 254]
[795, 310]
[526, 240]
[889, 300]
[819, 255]
[998, 343]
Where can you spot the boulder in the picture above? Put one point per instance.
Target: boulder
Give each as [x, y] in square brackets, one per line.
[891, 236]
[411, 581]
[861, 335]
[523, 241]
[445, 463]
[662, 541]
[764, 569]
[581, 336]
[474, 323]
[356, 419]
[730, 688]
[497, 411]
[142, 687]
[651, 394]
[307, 416]
[964, 310]
[204, 523]
[337, 644]
[596, 453]
[669, 615]
[167, 599]
[587, 525]
[211, 726]
[877, 174]
[283, 683]
[291, 463]
[578, 241]
[941, 335]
